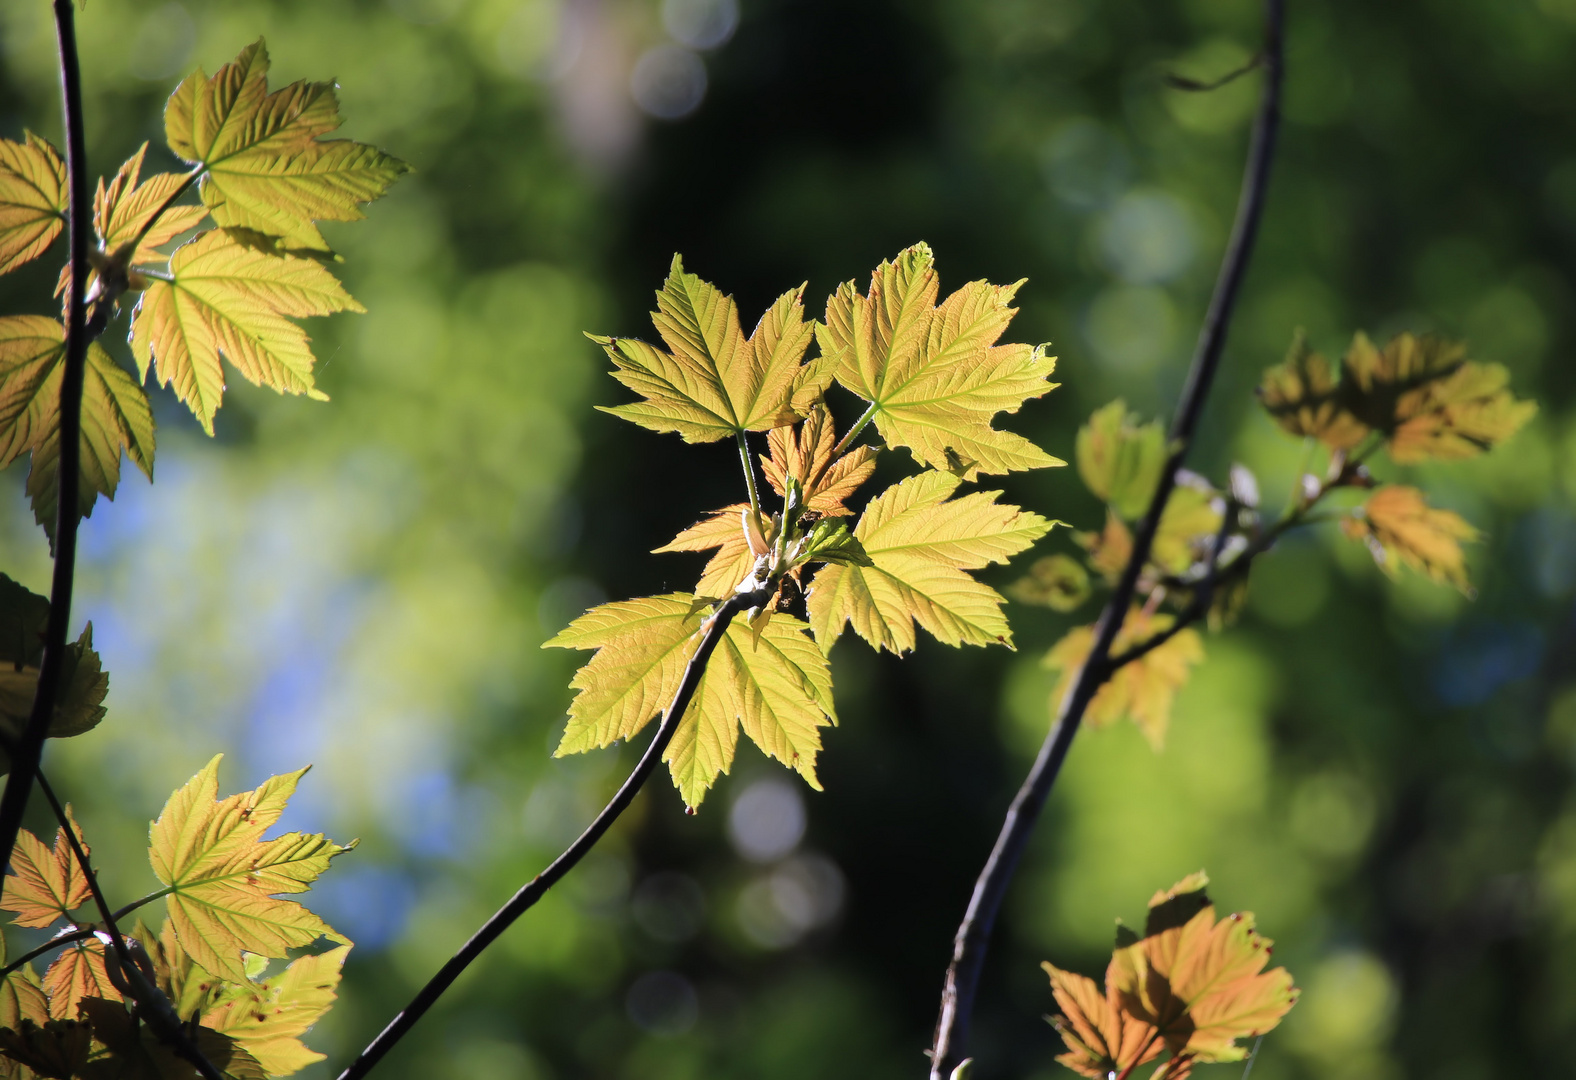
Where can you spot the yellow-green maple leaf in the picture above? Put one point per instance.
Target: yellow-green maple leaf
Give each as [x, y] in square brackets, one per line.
[123, 207]
[267, 169]
[934, 374]
[715, 382]
[775, 683]
[722, 531]
[920, 545]
[45, 884]
[223, 878]
[32, 199]
[1143, 690]
[1119, 460]
[227, 299]
[268, 1018]
[1400, 528]
[1459, 416]
[1302, 395]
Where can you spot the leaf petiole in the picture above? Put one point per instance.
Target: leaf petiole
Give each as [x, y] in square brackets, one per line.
[847, 440]
[749, 480]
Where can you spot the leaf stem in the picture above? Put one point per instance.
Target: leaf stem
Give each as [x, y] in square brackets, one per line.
[29, 748]
[847, 440]
[973, 936]
[749, 480]
[537, 887]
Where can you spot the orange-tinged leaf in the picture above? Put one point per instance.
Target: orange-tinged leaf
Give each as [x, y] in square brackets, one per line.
[224, 879]
[715, 382]
[1302, 395]
[268, 1018]
[77, 973]
[920, 545]
[268, 170]
[227, 299]
[1458, 416]
[1200, 980]
[934, 372]
[805, 454]
[722, 531]
[1108, 549]
[1143, 690]
[1400, 528]
[32, 199]
[772, 680]
[1102, 1038]
[45, 884]
[124, 207]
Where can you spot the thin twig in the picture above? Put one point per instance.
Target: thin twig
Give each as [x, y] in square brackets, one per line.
[537, 887]
[973, 936]
[156, 1010]
[29, 748]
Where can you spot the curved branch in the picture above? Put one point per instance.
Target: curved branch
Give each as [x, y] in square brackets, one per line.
[973, 936]
[537, 887]
[30, 747]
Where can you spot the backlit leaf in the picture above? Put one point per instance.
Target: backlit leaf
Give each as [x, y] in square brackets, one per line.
[1142, 690]
[124, 207]
[920, 545]
[714, 382]
[268, 170]
[84, 683]
[1400, 528]
[32, 199]
[773, 680]
[1188, 527]
[77, 973]
[268, 1018]
[224, 878]
[1458, 416]
[805, 454]
[722, 531]
[1199, 980]
[45, 884]
[1119, 460]
[1056, 581]
[55, 1048]
[1102, 1038]
[1109, 549]
[934, 373]
[1301, 395]
[228, 299]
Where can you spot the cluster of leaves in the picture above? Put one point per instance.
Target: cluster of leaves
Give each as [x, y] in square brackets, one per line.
[264, 176]
[84, 681]
[933, 379]
[1190, 987]
[1418, 399]
[210, 959]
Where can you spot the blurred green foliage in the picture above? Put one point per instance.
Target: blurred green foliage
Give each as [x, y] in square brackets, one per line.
[1381, 770]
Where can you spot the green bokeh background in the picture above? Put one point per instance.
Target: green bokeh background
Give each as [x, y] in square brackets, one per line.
[1381, 770]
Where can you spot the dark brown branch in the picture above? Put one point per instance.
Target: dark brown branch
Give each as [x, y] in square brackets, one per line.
[29, 748]
[537, 887]
[973, 936]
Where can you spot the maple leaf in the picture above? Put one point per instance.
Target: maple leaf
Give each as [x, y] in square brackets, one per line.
[124, 207]
[1056, 582]
[267, 169]
[1458, 416]
[32, 199]
[116, 417]
[78, 973]
[1102, 1038]
[1142, 690]
[224, 298]
[1199, 980]
[1108, 549]
[23, 615]
[1400, 528]
[58, 1049]
[919, 545]
[804, 454]
[771, 680]
[1302, 395]
[1188, 525]
[45, 884]
[715, 382]
[726, 532]
[1119, 460]
[267, 1018]
[933, 374]
[223, 878]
